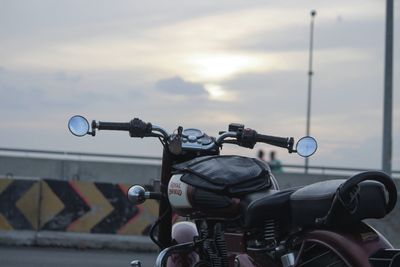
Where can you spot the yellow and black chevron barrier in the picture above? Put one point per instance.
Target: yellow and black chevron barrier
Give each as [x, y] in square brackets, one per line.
[19, 204]
[74, 206]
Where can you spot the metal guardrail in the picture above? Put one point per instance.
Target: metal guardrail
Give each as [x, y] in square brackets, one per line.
[334, 170]
[287, 167]
[76, 154]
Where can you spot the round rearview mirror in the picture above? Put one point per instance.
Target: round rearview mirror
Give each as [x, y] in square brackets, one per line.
[306, 146]
[78, 125]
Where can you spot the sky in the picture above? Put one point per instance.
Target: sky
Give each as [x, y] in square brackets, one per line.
[200, 64]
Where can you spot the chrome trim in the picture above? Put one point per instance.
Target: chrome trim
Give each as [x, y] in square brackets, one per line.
[225, 135]
[288, 260]
[137, 194]
[160, 130]
[219, 140]
[136, 263]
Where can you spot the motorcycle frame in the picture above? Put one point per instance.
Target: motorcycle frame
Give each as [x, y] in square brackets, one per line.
[165, 211]
[347, 245]
[355, 246]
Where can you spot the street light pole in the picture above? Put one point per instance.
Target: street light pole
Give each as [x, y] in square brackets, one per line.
[310, 74]
[388, 95]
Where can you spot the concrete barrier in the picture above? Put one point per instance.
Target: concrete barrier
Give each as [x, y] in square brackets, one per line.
[99, 206]
[19, 204]
[82, 170]
[72, 206]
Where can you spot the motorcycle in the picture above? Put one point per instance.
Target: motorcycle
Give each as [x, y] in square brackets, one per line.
[236, 215]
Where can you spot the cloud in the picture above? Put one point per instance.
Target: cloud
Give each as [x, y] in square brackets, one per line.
[328, 34]
[67, 77]
[123, 61]
[34, 92]
[177, 86]
[16, 98]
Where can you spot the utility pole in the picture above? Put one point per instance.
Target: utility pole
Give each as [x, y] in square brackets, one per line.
[310, 74]
[388, 95]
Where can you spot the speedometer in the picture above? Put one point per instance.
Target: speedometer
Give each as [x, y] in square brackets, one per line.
[193, 133]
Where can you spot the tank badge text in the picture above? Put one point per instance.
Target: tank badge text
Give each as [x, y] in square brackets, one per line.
[175, 189]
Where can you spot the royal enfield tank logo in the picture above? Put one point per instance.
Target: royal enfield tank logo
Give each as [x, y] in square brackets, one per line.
[178, 192]
[175, 189]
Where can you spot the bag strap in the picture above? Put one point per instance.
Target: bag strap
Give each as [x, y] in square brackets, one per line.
[341, 207]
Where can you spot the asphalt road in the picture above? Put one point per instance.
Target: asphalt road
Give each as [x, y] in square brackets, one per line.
[57, 257]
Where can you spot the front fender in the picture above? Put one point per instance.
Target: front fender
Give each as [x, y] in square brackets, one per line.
[183, 232]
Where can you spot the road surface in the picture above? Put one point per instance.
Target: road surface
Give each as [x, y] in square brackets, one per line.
[58, 257]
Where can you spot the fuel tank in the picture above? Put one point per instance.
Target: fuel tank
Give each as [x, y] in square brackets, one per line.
[188, 201]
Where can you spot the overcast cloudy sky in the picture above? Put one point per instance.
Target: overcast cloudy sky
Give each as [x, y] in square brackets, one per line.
[196, 64]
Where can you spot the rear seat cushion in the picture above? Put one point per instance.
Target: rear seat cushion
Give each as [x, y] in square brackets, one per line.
[314, 201]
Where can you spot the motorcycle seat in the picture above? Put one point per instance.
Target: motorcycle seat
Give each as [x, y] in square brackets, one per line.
[314, 201]
[261, 206]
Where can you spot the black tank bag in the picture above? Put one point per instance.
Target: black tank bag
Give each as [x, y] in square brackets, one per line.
[228, 175]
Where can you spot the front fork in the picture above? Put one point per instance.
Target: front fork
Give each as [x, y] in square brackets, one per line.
[165, 211]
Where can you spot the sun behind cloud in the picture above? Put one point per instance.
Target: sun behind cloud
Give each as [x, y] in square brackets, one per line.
[218, 66]
[217, 93]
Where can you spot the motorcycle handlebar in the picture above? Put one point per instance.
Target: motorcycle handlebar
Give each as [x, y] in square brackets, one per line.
[249, 137]
[284, 142]
[136, 127]
[116, 126]
[246, 138]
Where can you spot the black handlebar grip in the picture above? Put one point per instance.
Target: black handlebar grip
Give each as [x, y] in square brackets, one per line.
[116, 126]
[284, 142]
[136, 127]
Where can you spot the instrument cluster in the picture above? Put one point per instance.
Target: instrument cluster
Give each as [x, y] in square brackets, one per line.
[194, 139]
